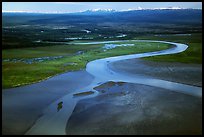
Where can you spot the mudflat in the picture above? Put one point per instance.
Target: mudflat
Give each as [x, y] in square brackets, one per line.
[190, 74]
[126, 108]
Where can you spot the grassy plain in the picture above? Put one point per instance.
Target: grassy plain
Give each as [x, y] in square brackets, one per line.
[19, 73]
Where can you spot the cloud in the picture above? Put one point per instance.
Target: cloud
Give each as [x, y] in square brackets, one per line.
[90, 4]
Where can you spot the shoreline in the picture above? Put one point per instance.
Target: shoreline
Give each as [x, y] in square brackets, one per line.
[44, 79]
[22, 106]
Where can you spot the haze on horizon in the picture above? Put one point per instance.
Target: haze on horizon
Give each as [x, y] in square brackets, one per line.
[70, 7]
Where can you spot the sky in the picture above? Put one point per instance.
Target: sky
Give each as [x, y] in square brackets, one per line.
[70, 7]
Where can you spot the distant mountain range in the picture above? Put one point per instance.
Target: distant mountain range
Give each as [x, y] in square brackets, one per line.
[167, 16]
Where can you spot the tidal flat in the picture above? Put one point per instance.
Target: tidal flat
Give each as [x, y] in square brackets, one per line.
[135, 109]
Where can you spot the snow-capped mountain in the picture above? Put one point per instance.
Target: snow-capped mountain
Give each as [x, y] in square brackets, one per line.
[97, 11]
[102, 10]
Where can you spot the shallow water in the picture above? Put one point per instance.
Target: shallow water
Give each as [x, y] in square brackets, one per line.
[112, 46]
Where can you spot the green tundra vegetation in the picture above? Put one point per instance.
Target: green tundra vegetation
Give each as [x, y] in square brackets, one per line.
[20, 73]
[192, 55]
